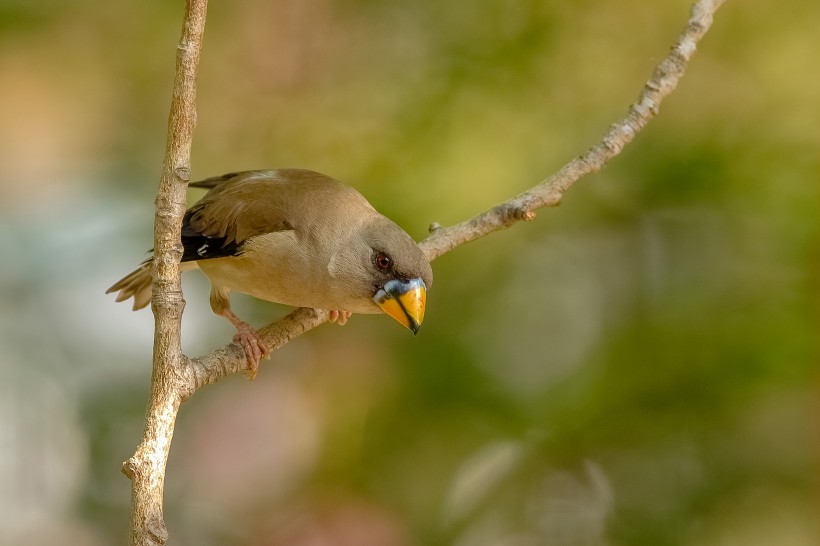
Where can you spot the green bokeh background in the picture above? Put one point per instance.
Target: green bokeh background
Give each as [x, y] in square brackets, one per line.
[636, 367]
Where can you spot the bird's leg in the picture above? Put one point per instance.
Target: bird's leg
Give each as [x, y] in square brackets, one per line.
[339, 317]
[247, 337]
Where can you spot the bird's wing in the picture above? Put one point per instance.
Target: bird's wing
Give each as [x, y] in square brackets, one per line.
[247, 204]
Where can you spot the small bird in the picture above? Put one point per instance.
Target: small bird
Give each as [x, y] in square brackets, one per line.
[299, 238]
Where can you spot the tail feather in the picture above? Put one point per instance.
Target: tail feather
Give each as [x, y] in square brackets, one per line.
[138, 284]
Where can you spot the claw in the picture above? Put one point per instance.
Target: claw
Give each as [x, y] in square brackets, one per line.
[255, 349]
[339, 317]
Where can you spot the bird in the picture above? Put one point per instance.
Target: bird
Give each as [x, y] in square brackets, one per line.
[299, 238]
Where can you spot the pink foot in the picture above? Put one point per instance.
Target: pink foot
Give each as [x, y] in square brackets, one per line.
[339, 317]
[254, 347]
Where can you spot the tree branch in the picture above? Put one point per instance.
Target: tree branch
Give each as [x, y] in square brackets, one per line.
[176, 378]
[230, 359]
[548, 193]
[169, 378]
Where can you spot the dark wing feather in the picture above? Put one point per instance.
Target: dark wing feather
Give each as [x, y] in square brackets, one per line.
[197, 246]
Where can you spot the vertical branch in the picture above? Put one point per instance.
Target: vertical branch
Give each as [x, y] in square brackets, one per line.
[169, 379]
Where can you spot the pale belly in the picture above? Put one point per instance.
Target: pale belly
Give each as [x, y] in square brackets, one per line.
[288, 283]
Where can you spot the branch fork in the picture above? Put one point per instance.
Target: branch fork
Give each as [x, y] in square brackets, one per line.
[175, 377]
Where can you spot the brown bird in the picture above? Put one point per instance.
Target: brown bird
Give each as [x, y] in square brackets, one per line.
[299, 238]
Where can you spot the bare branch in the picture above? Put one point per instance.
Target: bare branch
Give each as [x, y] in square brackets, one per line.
[212, 367]
[548, 193]
[176, 378]
[231, 358]
[146, 467]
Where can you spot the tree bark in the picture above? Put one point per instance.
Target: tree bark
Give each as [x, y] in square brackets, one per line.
[170, 374]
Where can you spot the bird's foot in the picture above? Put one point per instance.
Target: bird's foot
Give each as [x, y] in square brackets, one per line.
[339, 317]
[255, 348]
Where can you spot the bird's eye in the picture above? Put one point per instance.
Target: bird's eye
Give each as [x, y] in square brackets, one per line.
[383, 261]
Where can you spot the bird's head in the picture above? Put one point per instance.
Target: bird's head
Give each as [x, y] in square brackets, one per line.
[402, 298]
[388, 269]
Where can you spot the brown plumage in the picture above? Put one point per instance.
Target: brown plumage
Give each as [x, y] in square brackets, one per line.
[299, 238]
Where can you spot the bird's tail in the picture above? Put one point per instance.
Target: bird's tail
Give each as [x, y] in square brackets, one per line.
[138, 284]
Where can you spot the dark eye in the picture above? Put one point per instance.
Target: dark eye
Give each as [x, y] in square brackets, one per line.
[383, 261]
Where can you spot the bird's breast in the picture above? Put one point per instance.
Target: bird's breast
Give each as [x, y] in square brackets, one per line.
[278, 267]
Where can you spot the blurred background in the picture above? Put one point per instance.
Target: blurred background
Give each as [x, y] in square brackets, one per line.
[636, 367]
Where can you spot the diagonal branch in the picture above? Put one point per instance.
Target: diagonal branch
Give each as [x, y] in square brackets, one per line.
[230, 359]
[175, 378]
[548, 193]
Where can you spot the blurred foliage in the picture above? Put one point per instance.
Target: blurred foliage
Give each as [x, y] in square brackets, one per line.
[637, 366]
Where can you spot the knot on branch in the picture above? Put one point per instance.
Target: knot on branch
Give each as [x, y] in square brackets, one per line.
[129, 468]
[434, 227]
[156, 528]
[514, 212]
[183, 174]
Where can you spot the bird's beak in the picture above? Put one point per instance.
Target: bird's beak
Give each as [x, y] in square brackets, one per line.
[404, 301]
